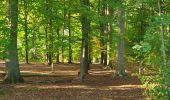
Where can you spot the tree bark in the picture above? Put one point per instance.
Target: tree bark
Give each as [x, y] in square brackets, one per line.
[50, 44]
[58, 53]
[26, 29]
[103, 31]
[121, 49]
[46, 43]
[12, 63]
[70, 42]
[84, 63]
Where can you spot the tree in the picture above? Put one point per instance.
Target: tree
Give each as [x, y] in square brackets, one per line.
[120, 46]
[12, 63]
[26, 29]
[70, 42]
[163, 50]
[85, 21]
[103, 31]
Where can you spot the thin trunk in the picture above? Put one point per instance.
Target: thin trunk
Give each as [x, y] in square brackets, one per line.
[84, 49]
[46, 43]
[70, 42]
[12, 63]
[34, 55]
[103, 32]
[50, 44]
[26, 30]
[110, 37]
[102, 14]
[58, 55]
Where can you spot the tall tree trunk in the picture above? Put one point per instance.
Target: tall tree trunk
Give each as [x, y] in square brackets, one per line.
[121, 49]
[102, 13]
[12, 63]
[84, 49]
[50, 55]
[110, 36]
[103, 32]
[26, 29]
[58, 53]
[46, 43]
[70, 42]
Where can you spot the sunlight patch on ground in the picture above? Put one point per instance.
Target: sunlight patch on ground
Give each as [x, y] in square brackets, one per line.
[125, 87]
[54, 86]
[101, 72]
[2, 71]
[122, 87]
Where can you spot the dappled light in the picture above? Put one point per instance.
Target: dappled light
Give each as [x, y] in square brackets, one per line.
[84, 50]
[39, 80]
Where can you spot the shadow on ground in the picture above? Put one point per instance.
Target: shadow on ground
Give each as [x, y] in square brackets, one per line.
[41, 84]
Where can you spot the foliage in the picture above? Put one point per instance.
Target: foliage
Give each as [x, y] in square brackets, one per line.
[143, 42]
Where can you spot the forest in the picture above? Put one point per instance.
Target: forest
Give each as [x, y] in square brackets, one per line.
[85, 49]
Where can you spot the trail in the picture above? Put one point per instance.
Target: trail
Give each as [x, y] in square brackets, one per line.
[98, 85]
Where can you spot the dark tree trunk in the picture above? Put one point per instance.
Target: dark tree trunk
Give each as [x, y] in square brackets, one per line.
[46, 43]
[70, 42]
[26, 29]
[103, 32]
[110, 36]
[84, 62]
[58, 53]
[12, 63]
[51, 44]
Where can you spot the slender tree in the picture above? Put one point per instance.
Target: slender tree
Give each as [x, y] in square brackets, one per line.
[58, 53]
[85, 21]
[70, 42]
[103, 31]
[26, 29]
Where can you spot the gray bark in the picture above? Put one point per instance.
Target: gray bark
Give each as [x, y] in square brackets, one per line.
[12, 63]
[121, 49]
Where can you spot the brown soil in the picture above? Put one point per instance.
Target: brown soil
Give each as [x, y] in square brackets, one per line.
[62, 84]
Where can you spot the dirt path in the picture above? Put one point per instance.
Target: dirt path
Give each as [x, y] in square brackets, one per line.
[63, 84]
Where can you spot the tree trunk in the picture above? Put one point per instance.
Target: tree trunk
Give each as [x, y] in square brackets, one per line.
[121, 49]
[102, 14]
[58, 53]
[70, 42]
[46, 43]
[84, 49]
[110, 37]
[26, 30]
[12, 63]
[103, 32]
[50, 44]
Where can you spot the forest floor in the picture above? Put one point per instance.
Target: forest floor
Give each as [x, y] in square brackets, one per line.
[62, 84]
